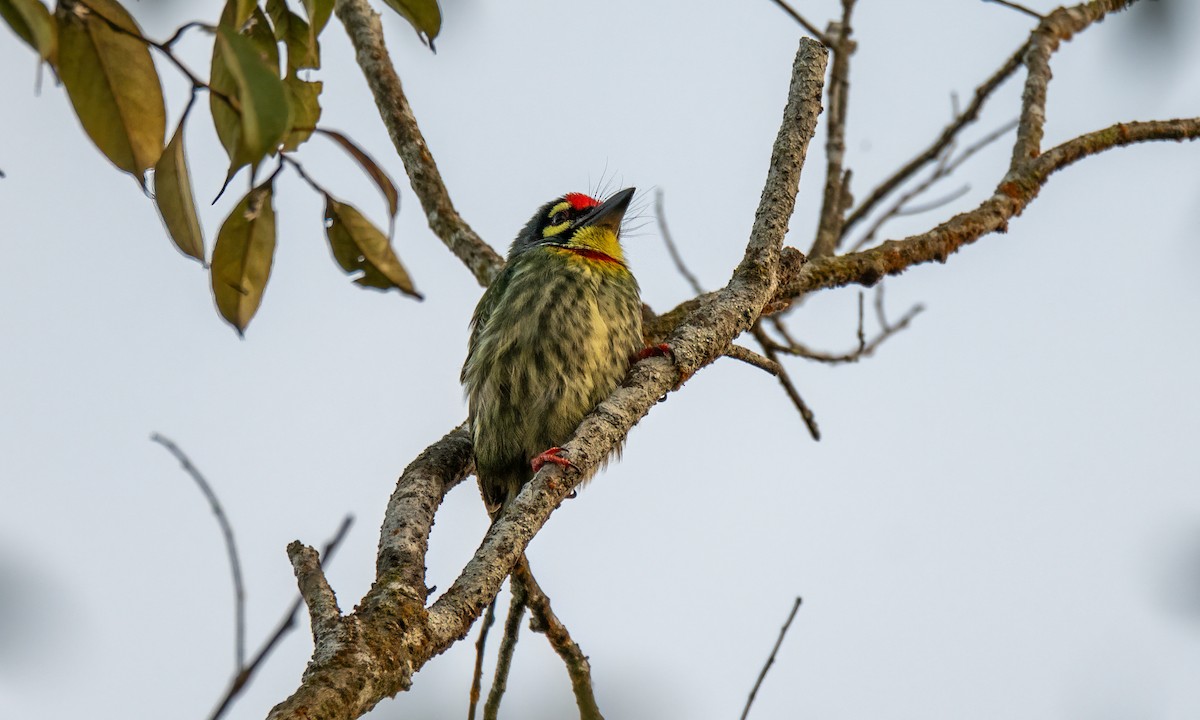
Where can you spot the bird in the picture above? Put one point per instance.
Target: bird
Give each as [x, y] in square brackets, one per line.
[552, 336]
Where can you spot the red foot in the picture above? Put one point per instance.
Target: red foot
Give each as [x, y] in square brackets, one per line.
[660, 350]
[550, 456]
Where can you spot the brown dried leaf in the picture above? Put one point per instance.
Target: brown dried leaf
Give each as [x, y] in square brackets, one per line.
[385, 184]
[360, 247]
[112, 83]
[242, 257]
[175, 200]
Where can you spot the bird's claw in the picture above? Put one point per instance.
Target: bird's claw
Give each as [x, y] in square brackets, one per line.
[553, 455]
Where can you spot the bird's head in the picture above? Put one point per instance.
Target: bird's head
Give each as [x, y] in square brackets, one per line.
[579, 225]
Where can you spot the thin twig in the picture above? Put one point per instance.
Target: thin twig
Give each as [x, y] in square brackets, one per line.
[661, 214]
[785, 380]
[947, 164]
[866, 348]
[489, 618]
[771, 659]
[836, 198]
[508, 645]
[286, 624]
[235, 564]
[809, 27]
[748, 356]
[1019, 8]
[936, 148]
[546, 622]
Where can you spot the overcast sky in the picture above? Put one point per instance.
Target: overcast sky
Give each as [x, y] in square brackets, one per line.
[1001, 520]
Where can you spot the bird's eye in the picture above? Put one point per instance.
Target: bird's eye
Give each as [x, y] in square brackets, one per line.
[559, 218]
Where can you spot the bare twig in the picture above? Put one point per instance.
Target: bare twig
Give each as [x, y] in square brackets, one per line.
[508, 645]
[947, 164]
[770, 659]
[785, 381]
[546, 622]
[670, 242]
[808, 27]
[837, 179]
[366, 35]
[937, 147]
[244, 674]
[748, 356]
[1019, 8]
[866, 348]
[235, 563]
[489, 618]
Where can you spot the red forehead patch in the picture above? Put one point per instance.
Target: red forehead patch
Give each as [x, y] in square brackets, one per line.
[579, 201]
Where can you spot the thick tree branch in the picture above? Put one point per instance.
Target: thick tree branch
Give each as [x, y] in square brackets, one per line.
[366, 34]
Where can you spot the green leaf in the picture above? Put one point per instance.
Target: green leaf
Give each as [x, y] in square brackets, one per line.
[262, 36]
[423, 15]
[385, 184]
[318, 14]
[241, 261]
[303, 49]
[360, 247]
[112, 83]
[237, 12]
[175, 200]
[265, 112]
[34, 24]
[306, 110]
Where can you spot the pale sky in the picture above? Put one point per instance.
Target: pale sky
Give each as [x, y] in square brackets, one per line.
[1001, 520]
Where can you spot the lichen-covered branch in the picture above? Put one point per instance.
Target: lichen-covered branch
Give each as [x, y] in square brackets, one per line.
[366, 34]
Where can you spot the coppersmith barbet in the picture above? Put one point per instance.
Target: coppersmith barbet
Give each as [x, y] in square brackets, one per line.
[552, 336]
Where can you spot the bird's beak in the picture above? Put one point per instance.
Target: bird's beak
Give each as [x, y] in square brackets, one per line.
[608, 214]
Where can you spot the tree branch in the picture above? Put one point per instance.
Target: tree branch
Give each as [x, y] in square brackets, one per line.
[837, 180]
[366, 34]
[770, 658]
[938, 146]
[546, 622]
[373, 652]
[1012, 196]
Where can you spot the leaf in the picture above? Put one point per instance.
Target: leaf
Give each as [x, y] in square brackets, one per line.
[237, 13]
[303, 49]
[359, 246]
[265, 112]
[112, 84]
[385, 184]
[304, 97]
[262, 36]
[241, 261]
[318, 14]
[34, 24]
[175, 200]
[423, 15]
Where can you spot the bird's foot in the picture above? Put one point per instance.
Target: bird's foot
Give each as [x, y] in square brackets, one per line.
[553, 455]
[659, 350]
